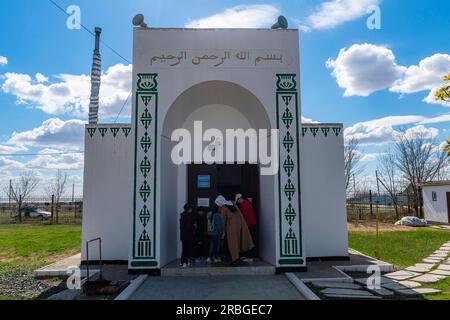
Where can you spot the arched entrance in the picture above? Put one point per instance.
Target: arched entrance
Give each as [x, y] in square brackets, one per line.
[220, 105]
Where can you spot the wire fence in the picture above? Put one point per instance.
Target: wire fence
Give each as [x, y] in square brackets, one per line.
[390, 208]
[42, 210]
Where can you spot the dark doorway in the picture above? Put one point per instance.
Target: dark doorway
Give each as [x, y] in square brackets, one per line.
[206, 182]
[448, 206]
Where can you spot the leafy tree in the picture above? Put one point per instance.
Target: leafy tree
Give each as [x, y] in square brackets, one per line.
[443, 94]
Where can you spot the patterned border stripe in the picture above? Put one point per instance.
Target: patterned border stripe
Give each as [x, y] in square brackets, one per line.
[290, 234]
[143, 254]
[326, 131]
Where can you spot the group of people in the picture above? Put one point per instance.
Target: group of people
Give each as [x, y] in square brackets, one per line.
[204, 230]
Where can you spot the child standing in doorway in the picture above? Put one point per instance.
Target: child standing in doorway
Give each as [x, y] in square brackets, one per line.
[214, 233]
[187, 231]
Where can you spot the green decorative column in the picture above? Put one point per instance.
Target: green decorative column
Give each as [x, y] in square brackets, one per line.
[143, 253]
[290, 252]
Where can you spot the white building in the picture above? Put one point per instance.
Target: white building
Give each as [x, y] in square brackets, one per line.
[436, 201]
[228, 79]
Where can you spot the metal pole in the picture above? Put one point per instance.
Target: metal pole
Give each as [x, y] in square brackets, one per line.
[9, 194]
[377, 244]
[53, 207]
[73, 201]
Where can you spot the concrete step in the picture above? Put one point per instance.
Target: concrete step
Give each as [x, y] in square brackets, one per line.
[218, 271]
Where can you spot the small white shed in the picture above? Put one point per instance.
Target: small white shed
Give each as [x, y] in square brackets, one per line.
[436, 200]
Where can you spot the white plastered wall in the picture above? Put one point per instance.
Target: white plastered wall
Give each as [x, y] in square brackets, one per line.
[323, 194]
[436, 211]
[108, 201]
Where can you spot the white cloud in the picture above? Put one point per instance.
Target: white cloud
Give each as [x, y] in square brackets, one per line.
[365, 68]
[368, 157]
[52, 132]
[70, 93]
[12, 149]
[243, 16]
[3, 61]
[427, 76]
[381, 131]
[421, 132]
[331, 14]
[308, 120]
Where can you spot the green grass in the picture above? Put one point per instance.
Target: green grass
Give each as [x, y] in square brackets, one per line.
[404, 249]
[37, 244]
[401, 248]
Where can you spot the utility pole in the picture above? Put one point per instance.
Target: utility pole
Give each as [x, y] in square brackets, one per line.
[9, 194]
[377, 243]
[73, 201]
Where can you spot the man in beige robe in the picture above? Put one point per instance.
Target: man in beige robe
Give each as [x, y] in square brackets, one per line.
[236, 229]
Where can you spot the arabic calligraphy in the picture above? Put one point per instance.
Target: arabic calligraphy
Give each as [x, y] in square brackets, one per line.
[216, 59]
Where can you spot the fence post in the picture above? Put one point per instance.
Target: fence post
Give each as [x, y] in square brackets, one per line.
[73, 202]
[20, 209]
[371, 203]
[53, 207]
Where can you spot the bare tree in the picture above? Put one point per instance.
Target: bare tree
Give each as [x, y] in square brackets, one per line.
[418, 160]
[352, 158]
[57, 188]
[21, 189]
[389, 177]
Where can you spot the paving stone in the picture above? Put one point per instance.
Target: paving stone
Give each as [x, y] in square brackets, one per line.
[337, 285]
[420, 268]
[346, 292]
[418, 291]
[436, 258]
[443, 252]
[441, 272]
[445, 267]
[439, 254]
[434, 261]
[394, 286]
[409, 284]
[382, 292]
[428, 278]
[402, 275]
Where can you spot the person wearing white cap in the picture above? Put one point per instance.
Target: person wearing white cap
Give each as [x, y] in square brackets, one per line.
[235, 228]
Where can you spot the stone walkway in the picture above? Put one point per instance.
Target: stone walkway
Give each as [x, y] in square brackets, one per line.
[411, 281]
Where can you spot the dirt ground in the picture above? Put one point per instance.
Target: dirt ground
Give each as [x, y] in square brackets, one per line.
[370, 226]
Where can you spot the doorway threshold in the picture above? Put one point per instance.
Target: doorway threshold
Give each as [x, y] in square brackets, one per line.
[255, 268]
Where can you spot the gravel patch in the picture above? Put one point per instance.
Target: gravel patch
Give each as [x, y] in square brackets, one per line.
[20, 282]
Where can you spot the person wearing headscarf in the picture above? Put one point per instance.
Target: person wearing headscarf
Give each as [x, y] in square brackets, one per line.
[235, 228]
[248, 212]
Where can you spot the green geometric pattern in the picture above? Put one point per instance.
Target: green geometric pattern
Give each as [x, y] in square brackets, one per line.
[325, 131]
[103, 131]
[143, 254]
[290, 253]
[115, 131]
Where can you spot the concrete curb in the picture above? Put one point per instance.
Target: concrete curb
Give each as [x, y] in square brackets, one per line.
[134, 285]
[301, 287]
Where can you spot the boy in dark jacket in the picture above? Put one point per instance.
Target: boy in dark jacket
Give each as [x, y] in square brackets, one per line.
[187, 232]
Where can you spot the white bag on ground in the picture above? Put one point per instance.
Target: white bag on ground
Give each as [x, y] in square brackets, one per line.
[412, 222]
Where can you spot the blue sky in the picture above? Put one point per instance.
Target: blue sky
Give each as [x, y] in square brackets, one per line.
[375, 81]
